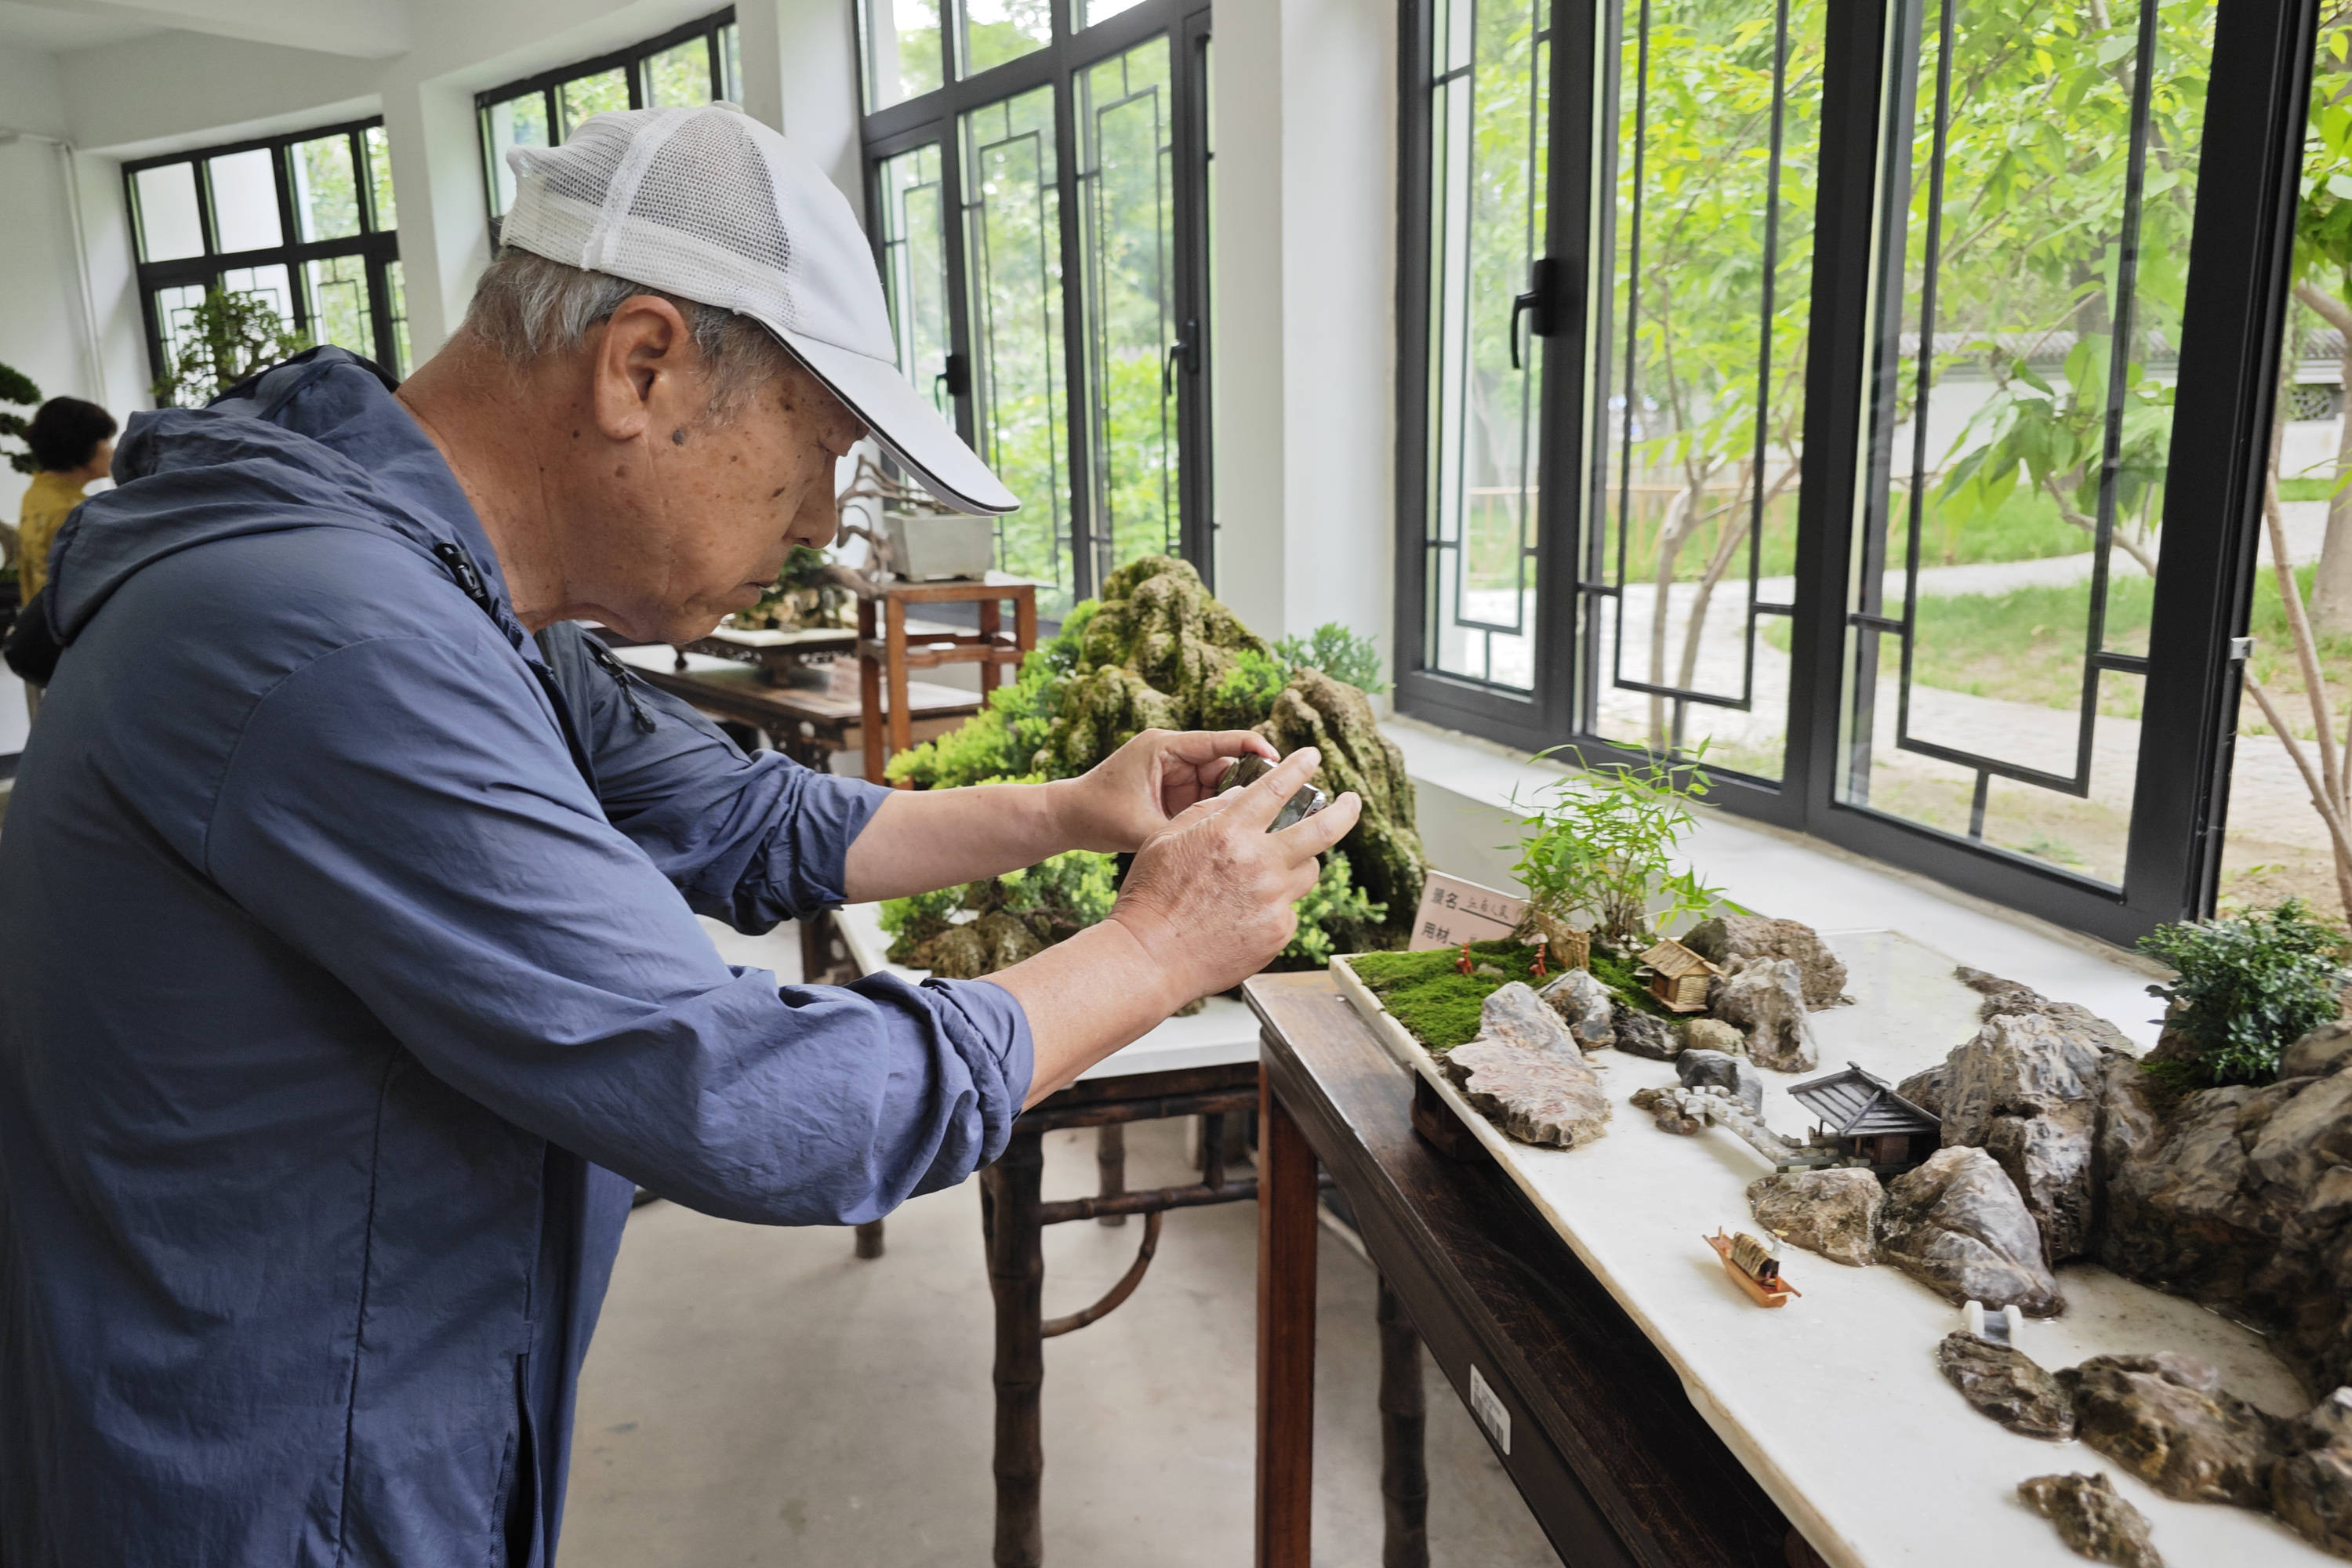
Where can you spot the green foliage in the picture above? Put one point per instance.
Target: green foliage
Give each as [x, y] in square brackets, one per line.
[1622, 976]
[1602, 846]
[912, 921]
[1245, 694]
[1054, 899]
[1080, 884]
[1002, 739]
[1333, 916]
[224, 340]
[1337, 653]
[17, 389]
[2247, 987]
[1437, 1003]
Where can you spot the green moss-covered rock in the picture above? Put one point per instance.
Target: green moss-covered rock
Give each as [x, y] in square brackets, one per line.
[1157, 619]
[1101, 711]
[1383, 848]
[998, 940]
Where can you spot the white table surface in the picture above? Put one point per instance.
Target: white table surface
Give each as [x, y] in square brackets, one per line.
[1834, 1402]
[1223, 1032]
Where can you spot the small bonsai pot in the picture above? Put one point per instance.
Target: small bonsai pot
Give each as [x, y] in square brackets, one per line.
[927, 547]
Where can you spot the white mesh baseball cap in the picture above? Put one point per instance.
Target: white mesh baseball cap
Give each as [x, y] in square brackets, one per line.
[711, 205]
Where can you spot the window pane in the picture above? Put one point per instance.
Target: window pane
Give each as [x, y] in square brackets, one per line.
[1127, 169]
[245, 201]
[168, 227]
[1013, 239]
[2034, 274]
[679, 77]
[396, 301]
[583, 95]
[995, 31]
[1700, 327]
[1488, 145]
[915, 269]
[901, 48]
[339, 304]
[273, 284]
[379, 157]
[326, 198]
[1102, 10]
[516, 122]
[730, 62]
[175, 317]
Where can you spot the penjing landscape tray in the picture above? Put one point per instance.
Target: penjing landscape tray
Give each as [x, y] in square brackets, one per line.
[1834, 1401]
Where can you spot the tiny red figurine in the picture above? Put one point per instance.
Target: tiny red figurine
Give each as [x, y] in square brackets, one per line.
[1537, 968]
[1462, 966]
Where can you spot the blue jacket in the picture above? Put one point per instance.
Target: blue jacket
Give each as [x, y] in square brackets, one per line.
[349, 975]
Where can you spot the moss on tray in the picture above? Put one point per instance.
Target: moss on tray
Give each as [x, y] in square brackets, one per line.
[1440, 1005]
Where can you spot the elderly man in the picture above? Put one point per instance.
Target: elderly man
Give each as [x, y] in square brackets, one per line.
[348, 973]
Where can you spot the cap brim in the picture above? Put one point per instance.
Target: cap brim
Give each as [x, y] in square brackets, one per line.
[903, 420]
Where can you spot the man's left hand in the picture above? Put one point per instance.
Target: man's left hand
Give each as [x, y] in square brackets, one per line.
[1132, 794]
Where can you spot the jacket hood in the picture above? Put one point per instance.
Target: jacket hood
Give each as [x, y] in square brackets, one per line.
[316, 442]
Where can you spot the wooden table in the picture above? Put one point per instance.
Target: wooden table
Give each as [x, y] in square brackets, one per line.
[1589, 1420]
[886, 654]
[806, 723]
[1203, 1066]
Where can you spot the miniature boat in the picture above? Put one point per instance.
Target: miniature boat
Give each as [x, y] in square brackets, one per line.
[1755, 1265]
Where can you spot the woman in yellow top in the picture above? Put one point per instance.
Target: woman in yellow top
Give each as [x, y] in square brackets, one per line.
[72, 444]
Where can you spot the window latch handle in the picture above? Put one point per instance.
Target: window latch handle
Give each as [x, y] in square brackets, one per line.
[957, 377]
[1186, 349]
[1536, 303]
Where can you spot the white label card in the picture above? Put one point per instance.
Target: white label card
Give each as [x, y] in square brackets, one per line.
[1489, 1411]
[1453, 911]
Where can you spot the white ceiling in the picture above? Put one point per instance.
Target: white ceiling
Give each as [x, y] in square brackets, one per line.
[53, 31]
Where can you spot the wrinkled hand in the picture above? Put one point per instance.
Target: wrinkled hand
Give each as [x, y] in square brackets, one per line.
[1210, 895]
[1136, 791]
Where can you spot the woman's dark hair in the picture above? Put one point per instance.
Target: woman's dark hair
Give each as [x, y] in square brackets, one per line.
[64, 432]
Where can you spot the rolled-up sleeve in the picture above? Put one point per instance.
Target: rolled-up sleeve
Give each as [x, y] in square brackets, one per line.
[406, 814]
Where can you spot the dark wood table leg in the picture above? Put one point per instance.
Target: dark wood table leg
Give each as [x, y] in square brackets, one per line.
[1017, 1276]
[869, 1239]
[870, 693]
[1110, 1164]
[1404, 1474]
[1286, 1336]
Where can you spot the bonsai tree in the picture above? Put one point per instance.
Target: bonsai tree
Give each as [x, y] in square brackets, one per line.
[2247, 987]
[1600, 846]
[16, 391]
[227, 338]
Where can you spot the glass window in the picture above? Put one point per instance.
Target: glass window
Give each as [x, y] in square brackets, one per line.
[1103, 10]
[730, 62]
[1489, 140]
[1013, 240]
[679, 77]
[902, 50]
[2003, 574]
[379, 157]
[326, 197]
[915, 267]
[585, 95]
[244, 187]
[516, 122]
[1126, 153]
[169, 228]
[176, 319]
[338, 300]
[274, 283]
[995, 31]
[396, 296]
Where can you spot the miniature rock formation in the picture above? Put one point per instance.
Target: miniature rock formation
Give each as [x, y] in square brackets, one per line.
[998, 940]
[1643, 1034]
[2318, 1053]
[1834, 1212]
[2241, 1199]
[2005, 1383]
[1583, 1003]
[1766, 998]
[1383, 849]
[1713, 1035]
[2166, 1419]
[1727, 940]
[1524, 1072]
[2092, 1518]
[2009, 999]
[1925, 1089]
[1702, 1069]
[2311, 1486]
[1958, 1226]
[2025, 1091]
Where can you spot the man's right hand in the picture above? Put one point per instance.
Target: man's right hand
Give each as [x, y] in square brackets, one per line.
[1210, 896]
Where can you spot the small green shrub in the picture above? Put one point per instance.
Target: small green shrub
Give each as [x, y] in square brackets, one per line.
[2247, 987]
[1602, 847]
[1337, 653]
[1245, 695]
[1335, 915]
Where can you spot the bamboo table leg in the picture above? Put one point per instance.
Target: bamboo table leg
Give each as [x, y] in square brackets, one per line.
[992, 617]
[1110, 1164]
[902, 717]
[1017, 1276]
[1404, 1473]
[1285, 1335]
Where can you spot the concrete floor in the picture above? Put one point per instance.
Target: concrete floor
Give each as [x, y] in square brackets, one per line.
[758, 1395]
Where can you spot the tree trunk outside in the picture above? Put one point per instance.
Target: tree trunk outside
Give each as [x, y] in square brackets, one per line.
[2331, 586]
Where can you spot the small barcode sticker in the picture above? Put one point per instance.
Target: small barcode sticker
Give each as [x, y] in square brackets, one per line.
[1489, 1411]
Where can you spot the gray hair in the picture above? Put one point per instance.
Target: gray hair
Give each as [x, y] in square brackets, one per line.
[527, 306]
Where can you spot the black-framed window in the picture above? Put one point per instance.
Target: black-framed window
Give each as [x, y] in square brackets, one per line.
[700, 62]
[1038, 180]
[1794, 383]
[304, 220]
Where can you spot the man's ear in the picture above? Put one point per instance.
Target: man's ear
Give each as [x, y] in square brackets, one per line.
[643, 359]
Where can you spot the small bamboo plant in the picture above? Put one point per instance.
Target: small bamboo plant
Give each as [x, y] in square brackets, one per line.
[1600, 845]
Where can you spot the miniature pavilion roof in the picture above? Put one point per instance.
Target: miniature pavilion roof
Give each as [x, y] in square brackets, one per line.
[1857, 1103]
[1673, 960]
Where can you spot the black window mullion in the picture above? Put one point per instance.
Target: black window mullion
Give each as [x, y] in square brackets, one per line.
[1195, 475]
